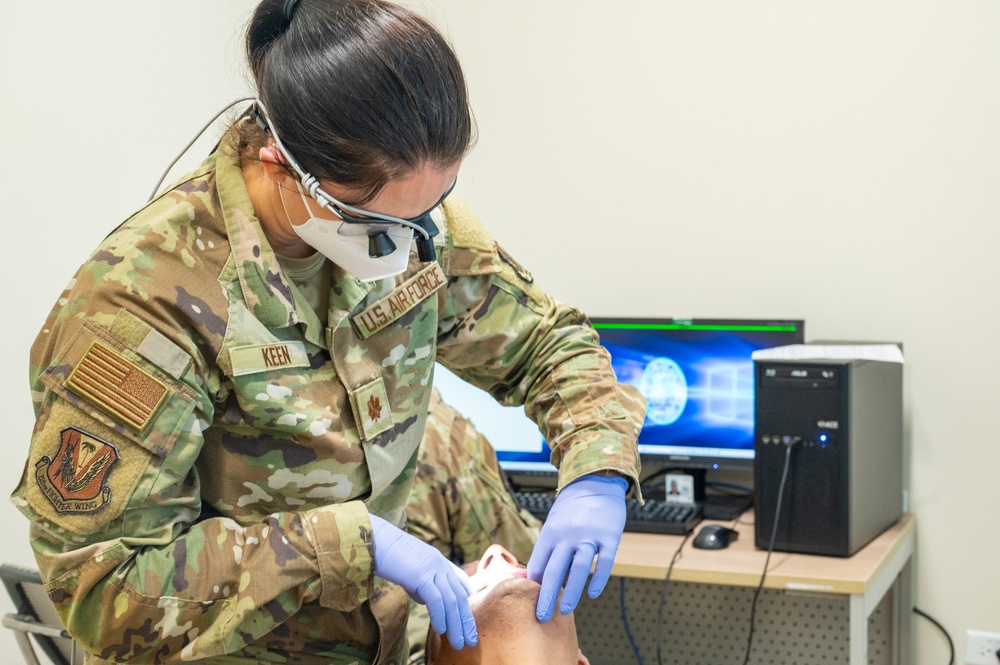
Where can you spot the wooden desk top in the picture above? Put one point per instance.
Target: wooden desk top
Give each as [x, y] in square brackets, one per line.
[647, 556]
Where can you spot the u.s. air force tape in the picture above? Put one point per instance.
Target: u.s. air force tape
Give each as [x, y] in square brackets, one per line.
[403, 298]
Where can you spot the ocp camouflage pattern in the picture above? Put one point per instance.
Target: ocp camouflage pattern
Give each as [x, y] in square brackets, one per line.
[233, 525]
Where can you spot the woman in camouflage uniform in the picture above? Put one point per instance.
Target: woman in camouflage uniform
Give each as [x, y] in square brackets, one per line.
[230, 393]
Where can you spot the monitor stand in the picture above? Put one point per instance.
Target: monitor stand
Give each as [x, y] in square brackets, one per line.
[725, 508]
[718, 506]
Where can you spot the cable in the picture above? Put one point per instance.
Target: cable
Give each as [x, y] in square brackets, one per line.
[663, 598]
[734, 489]
[628, 631]
[662, 471]
[192, 142]
[770, 548]
[951, 645]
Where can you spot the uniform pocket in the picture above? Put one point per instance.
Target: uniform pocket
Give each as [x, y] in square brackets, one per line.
[120, 389]
[105, 424]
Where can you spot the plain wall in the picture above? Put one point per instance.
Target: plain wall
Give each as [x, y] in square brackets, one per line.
[832, 161]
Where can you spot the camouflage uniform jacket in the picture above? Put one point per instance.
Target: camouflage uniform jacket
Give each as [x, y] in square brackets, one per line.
[206, 453]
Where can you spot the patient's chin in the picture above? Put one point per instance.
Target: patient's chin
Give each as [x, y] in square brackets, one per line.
[509, 630]
[511, 605]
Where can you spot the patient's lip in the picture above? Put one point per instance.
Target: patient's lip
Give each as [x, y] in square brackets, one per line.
[491, 580]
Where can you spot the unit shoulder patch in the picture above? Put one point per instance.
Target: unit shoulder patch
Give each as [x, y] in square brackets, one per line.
[83, 472]
[74, 479]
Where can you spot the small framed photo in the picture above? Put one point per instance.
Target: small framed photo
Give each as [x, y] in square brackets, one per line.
[680, 488]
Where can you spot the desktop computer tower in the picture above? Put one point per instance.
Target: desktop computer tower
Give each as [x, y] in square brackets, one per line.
[844, 485]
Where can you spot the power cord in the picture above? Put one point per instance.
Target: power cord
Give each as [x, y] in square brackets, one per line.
[197, 136]
[628, 630]
[662, 471]
[729, 489]
[951, 645]
[663, 599]
[770, 548]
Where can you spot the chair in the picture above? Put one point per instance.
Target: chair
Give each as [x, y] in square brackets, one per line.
[36, 616]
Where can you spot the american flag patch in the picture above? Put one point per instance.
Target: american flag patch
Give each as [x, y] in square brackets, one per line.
[110, 382]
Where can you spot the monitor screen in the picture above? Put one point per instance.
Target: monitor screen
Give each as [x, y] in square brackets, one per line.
[697, 378]
[696, 375]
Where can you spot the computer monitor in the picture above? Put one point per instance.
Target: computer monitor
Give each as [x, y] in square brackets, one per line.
[697, 378]
[696, 375]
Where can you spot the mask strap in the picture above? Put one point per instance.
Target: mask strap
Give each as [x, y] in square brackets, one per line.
[302, 195]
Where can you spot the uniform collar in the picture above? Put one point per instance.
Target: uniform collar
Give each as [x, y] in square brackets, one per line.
[266, 291]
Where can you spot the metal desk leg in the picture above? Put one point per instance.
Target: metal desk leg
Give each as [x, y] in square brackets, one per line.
[858, 619]
[904, 601]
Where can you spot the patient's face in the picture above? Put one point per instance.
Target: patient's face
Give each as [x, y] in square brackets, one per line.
[504, 606]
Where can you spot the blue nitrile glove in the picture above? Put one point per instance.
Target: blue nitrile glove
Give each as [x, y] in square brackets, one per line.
[429, 578]
[586, 519]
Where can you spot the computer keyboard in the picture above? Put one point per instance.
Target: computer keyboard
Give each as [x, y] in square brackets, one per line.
[653, 517]
[537, 503]
[661, 517]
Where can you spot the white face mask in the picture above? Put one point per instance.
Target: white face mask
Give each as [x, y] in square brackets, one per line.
[347, 244]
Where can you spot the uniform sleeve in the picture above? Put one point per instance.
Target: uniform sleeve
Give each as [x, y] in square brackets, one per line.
[501, 332]
[136, 570]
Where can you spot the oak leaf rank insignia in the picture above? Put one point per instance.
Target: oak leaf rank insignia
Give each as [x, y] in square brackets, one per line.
[374, 408]
[370, 405]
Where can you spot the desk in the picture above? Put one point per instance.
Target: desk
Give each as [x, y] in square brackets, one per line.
[813, 609]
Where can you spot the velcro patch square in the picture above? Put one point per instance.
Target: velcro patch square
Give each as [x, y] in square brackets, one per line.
[371, 407]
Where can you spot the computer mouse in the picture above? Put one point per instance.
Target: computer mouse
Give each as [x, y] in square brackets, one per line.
[715, 537]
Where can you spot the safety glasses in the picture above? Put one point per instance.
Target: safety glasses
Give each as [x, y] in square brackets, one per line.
[376, 220]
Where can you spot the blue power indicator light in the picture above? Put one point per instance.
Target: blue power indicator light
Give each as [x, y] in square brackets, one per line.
[823, 438]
